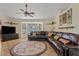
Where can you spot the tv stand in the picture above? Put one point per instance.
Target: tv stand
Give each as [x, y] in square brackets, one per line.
[6, 37]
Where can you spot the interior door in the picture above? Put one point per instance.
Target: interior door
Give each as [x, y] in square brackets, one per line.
[23, 30]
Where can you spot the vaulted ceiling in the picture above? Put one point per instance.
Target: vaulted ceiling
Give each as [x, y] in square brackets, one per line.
[42, 10]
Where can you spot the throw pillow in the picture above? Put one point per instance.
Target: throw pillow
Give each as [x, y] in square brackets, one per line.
[67, 36]
[56, 37]
[64, 41]
[34, 34]
[37, 33]
[49, 34]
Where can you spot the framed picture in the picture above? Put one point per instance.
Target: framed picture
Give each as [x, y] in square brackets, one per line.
[70, 16]
[66, 18]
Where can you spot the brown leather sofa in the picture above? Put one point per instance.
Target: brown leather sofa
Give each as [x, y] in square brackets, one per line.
[71, 49]
[38, 36]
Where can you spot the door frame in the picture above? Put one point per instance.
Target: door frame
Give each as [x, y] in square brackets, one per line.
[30, 23]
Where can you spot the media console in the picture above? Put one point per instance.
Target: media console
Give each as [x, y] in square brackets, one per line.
[12, 36]
[9, 33]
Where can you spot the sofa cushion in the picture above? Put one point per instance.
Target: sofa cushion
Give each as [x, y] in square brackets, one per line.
[64, 41]
[34, 33]
[49, 34]
[73, 38]
[57, 46]
[66, 36]
[37, 33]
[42, 33]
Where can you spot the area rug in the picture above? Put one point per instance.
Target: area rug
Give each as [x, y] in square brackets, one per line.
[28, 48]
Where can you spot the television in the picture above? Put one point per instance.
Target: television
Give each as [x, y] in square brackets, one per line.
[8, 29]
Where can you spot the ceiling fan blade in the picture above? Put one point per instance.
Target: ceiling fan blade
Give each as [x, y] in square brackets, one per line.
[19, 13]
[31, 13]
[22, 10]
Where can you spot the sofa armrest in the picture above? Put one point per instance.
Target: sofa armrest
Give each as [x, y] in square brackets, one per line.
[66, 50]
[72, 47]
[74, 51]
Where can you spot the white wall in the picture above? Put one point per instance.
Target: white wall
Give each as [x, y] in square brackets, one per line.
[45, 22]
[7, 19]
[75, 20]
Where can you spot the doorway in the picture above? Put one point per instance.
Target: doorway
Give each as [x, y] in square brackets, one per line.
[27, 27]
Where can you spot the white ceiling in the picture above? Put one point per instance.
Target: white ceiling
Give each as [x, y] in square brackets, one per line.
[42, 10]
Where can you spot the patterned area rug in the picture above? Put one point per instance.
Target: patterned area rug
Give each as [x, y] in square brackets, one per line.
[28, 48]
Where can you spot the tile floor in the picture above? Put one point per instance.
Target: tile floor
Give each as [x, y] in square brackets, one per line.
[6, 46]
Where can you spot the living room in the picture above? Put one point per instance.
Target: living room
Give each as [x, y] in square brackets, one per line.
[22, 23]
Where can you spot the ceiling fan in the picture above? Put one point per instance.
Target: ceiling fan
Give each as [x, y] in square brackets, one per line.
[26, 13]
